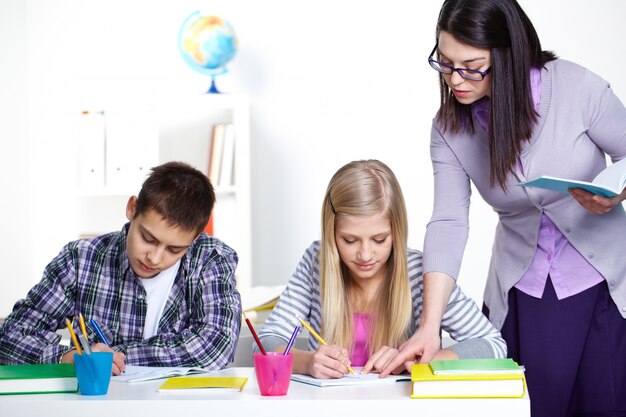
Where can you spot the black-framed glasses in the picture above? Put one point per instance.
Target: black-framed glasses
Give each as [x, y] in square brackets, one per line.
[468, 74]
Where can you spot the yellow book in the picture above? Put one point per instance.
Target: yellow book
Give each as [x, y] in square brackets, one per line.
[262, 307]
[211, 382]
[425, 384]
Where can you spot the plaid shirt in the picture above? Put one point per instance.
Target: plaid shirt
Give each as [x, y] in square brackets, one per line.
[200, 323]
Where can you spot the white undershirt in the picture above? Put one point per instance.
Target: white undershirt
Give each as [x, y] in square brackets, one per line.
[157, 291]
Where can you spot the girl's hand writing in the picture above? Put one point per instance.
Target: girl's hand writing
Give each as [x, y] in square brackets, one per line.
[328, 362]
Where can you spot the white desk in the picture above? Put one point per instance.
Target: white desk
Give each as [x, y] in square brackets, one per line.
[141, 399]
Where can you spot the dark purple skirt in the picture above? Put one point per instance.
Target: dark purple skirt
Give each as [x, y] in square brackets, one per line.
[574, 351]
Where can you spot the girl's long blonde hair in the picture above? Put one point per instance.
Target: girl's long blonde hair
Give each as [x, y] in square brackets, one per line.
[365, 188]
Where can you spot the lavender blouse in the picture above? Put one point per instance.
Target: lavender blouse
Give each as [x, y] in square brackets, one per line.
[555, 256]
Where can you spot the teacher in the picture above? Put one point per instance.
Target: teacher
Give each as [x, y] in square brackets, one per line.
[556, 286]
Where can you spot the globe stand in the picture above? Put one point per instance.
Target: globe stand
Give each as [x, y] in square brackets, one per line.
[213, 89]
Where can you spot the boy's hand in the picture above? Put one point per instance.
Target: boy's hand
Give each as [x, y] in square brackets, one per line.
[118, 357]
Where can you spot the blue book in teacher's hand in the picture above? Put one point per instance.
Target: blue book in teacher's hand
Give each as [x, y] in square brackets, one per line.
[608, 183]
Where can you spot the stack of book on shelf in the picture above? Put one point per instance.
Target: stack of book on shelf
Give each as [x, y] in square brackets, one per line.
[39, 378]
[222, 155]
[468, 378]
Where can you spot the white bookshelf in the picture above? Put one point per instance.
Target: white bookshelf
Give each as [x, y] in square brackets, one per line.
[174, 129]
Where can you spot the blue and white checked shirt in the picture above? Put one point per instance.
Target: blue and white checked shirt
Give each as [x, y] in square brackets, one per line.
[200, 323]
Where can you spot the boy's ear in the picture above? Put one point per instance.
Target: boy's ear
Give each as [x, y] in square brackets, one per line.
[131, 207]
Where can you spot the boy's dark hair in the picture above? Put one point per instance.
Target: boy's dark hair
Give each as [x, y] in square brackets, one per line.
[181, 194]
[503, 27]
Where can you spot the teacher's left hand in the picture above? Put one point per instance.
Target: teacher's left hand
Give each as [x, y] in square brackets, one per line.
[595, 203]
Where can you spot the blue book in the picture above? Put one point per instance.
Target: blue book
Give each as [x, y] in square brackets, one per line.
[608, 183]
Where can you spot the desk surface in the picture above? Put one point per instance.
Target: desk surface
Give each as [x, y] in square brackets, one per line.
[391, 399]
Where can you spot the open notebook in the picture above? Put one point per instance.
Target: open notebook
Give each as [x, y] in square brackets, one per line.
[350, 379]
[136, 373]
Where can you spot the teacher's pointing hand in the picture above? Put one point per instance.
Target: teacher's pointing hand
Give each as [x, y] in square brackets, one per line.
[420, 348]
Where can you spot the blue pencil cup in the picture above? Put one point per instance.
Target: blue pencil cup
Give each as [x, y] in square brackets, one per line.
[93, 372]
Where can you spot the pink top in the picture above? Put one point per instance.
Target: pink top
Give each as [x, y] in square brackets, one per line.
[555, 256]
[359, 354]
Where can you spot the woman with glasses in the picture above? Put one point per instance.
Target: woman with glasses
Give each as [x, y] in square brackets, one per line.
[557, 281]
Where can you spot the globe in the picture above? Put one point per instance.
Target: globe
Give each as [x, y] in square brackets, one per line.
[207, 44]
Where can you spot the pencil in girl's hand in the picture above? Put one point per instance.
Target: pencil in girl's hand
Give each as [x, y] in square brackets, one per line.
[319, 338]
[310, 329]
[256, 338]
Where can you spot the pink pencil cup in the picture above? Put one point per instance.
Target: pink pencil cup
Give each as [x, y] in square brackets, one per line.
[273, 372]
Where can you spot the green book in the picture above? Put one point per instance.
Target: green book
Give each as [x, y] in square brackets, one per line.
[476, 367]
[38, 378]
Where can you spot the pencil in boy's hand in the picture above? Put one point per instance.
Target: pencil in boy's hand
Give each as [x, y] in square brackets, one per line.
[73, 336]
[319, 338]
[256, 338]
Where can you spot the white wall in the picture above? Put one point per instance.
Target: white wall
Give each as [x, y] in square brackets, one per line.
[15, 213]
[329, 82]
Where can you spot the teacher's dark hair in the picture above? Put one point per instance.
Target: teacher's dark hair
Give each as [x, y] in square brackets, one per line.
[503, 27]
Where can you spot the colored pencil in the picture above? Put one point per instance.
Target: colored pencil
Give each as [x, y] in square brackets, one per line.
[292, 340]
[73, 336]
[256, 338]
[98, 331]
[85, 344]
[83, 329]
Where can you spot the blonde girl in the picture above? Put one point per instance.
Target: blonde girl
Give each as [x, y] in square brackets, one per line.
[360, 287]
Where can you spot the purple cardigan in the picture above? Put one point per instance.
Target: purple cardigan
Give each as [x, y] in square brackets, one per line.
[580, 120]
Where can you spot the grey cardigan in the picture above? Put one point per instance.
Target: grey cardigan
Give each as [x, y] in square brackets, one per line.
[580, 121]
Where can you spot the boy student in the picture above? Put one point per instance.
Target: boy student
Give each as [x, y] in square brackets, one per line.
[361, 287]
[161, 290]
